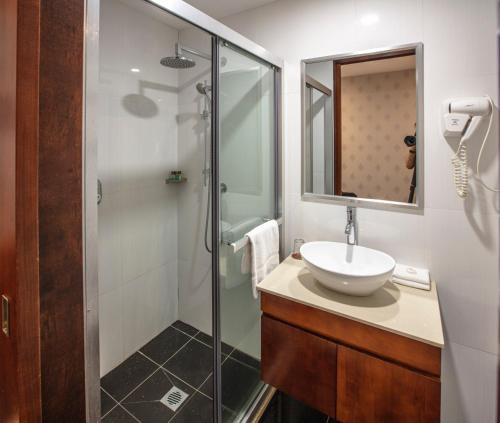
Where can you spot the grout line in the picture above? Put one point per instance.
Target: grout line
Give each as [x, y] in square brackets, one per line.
[243, 364]
[177, 352]
[109, 412]
[149, 358]
[184, 382]
[129, 413]
[137, 387]
[117, 403]
[180, 409]
[185, 333]
[112, 397]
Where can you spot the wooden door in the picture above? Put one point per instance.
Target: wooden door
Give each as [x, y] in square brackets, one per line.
[372, 390]
[20, 349]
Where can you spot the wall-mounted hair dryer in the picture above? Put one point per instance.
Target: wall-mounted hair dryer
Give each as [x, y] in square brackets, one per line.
[460, 119]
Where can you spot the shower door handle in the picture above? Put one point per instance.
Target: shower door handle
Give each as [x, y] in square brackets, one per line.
[99, 191]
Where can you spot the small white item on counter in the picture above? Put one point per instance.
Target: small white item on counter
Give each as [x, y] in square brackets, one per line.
[262, 253]
[414, 277]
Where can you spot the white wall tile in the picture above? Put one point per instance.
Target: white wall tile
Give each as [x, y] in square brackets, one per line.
[195, 295]
[110, 330]
[149, 305]
[468, 396]
[464, 262]
[110, 269]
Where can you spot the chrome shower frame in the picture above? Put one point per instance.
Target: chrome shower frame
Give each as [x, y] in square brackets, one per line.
[179, 48]
[219, 32]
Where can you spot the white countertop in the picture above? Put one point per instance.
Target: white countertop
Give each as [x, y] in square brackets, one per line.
[409, 312]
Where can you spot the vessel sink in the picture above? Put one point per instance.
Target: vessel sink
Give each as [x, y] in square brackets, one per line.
[349, 269]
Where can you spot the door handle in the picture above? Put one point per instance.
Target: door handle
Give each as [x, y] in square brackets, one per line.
[5, 316]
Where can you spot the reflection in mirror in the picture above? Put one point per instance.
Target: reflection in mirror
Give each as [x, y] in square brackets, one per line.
[319, 129]
[360, 124]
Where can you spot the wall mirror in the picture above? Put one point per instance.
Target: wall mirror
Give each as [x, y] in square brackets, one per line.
[362, 128]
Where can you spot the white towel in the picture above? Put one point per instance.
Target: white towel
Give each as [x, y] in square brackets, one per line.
[412, 276]
[262, 253]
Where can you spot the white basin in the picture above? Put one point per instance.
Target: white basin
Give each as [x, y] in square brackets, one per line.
[349, 269]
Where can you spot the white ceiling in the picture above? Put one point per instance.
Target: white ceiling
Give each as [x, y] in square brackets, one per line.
[222, 8]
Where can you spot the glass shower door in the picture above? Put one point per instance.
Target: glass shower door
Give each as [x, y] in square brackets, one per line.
[247, 168]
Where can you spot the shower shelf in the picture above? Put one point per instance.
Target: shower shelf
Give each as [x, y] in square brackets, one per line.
[171, 181]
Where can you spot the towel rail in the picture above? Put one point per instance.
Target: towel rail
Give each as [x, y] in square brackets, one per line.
[242, 242]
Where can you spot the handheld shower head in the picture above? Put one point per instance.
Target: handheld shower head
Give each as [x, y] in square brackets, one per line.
[203, 88]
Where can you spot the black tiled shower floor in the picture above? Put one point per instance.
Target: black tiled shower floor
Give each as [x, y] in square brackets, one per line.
[180, 356]
[285, 409]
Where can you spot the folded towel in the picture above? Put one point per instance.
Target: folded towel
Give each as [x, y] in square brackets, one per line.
[412, 276]
[262, 253]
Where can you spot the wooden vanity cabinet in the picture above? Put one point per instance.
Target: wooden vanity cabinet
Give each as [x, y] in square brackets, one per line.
[300, 364]
[370, 389]
[342, 368]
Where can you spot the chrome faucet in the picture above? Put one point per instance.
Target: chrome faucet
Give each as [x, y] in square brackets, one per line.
[351, 229]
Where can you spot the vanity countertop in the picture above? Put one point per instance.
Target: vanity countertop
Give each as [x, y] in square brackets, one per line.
[405, 311]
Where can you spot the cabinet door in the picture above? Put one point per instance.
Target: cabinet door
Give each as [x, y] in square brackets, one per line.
[372, 390]
[300, 364]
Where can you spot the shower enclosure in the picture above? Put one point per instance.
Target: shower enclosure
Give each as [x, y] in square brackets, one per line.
[183, 152]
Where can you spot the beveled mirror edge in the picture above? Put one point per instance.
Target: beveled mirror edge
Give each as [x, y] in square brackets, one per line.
[417, 207]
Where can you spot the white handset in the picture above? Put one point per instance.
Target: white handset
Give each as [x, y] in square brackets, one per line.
[461, 119]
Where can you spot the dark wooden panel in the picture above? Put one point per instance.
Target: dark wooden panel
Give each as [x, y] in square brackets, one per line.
[376, 56]
[374, 391]
[406, 351]
[19, 353]
[28, 305]
[9, 401]
[300, 364]
[61, 208]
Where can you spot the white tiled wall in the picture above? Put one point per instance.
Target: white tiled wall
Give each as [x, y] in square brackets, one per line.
[456, 239]
[137, 147]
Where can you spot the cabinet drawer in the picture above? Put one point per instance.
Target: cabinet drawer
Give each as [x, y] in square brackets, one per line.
[372, 390]
[300, 364]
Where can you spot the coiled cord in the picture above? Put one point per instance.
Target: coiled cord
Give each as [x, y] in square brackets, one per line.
[460, 170]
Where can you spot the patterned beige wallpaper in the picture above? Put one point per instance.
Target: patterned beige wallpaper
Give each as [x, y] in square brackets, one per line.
[378, 111]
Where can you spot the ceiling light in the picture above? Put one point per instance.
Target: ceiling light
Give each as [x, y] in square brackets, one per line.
[135, 70]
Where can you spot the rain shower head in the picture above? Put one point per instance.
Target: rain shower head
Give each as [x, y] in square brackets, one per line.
[177, 62]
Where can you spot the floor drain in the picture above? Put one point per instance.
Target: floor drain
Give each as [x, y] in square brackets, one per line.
[174, 398]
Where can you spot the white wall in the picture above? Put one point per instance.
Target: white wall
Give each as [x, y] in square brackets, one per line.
[137, 146]
[456, 239]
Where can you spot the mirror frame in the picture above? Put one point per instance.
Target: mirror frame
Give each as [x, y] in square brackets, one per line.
[369, 202]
